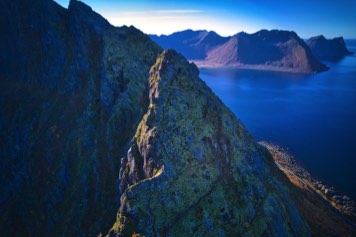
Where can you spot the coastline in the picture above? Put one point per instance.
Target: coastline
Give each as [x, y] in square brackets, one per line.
[260, 67]
[301, 178]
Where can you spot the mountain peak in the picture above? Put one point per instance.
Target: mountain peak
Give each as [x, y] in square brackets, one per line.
[85, 14]
[192, 44]
[319, 37]
[193, 155]
[266, 50]
[80, 5]
[328, 49]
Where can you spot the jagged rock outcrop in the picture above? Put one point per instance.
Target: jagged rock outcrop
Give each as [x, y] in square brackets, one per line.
[328, 49]
[73, 89]
[192, 167]
[193, 45]
[274, 50]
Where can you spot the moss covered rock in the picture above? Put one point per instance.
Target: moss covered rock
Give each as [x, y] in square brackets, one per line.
[193, 169]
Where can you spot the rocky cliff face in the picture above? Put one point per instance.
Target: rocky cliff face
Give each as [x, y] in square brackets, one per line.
[73, 90]
[192, 168]
[88, 127]
[328, 49]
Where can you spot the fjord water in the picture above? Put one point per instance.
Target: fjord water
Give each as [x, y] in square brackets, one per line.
[313, 116]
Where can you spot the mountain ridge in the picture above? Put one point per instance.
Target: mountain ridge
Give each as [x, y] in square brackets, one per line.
[218, 177]
[89, 127]
[194, 44]
[328, 49]
[275, 50]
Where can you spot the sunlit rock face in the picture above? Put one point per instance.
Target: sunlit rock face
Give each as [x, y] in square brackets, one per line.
[73, 90]
[192, 167]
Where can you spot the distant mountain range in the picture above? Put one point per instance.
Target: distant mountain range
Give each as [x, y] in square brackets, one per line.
[194, 45]
[328, 49]
[267, 50]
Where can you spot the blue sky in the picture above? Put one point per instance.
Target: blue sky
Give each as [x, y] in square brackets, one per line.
[306, 17]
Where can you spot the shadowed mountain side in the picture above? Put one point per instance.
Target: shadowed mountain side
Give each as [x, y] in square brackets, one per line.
[73, 89]
[328, 49]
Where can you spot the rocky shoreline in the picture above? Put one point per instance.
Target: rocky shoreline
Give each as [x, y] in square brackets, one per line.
[300, 176]
[259, 67]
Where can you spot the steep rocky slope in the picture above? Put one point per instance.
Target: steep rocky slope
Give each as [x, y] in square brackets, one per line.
[275, 50]
[73, 89]
[328, 49]
[88, 127]
[192, 168]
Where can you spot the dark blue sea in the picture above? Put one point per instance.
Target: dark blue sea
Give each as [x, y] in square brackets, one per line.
[313, 116]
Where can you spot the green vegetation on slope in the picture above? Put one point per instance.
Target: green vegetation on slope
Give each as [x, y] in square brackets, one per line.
[213, 179]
